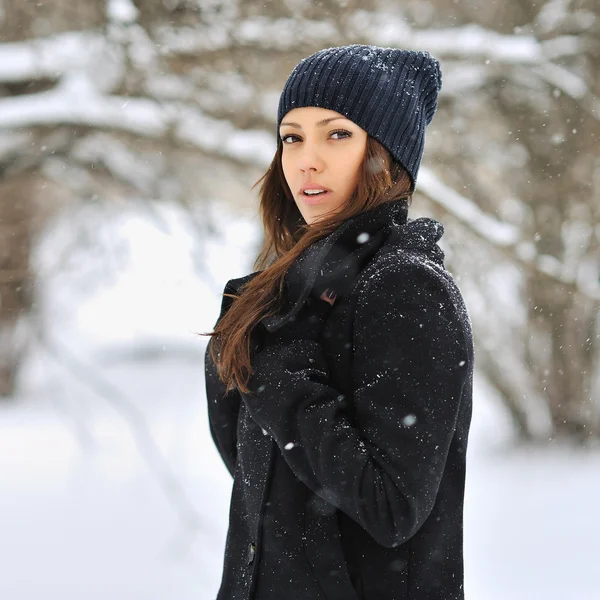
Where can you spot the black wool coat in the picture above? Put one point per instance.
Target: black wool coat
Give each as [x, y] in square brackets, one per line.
[348, 457]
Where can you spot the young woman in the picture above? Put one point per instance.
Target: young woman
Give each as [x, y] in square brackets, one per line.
[339, 374]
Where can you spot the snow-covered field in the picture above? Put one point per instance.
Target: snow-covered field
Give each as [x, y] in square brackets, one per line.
[110, 486]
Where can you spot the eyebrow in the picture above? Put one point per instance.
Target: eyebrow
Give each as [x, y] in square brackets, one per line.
[320, 123]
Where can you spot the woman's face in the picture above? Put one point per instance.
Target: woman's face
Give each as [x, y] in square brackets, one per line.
[322, 150]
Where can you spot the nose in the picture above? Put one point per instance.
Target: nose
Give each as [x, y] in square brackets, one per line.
[310, 159]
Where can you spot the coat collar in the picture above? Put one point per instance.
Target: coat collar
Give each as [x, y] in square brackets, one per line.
[335, 260]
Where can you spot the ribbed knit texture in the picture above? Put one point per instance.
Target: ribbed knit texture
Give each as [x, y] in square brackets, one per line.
[390, 93]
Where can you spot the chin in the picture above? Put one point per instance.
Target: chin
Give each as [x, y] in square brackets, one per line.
[315, 219]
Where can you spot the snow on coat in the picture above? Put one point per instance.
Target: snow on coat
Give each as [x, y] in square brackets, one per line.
[348, 457]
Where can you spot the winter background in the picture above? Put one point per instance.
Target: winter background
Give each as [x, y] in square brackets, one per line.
[130, 136]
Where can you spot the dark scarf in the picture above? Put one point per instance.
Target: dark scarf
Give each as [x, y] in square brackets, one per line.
[334, 261]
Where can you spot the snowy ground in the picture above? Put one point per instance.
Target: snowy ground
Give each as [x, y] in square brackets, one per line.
[84, 515]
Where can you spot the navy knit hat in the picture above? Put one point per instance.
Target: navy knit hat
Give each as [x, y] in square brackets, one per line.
[390, 93]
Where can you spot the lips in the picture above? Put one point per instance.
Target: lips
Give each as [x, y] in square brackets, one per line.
[314, 198]
[312, 186]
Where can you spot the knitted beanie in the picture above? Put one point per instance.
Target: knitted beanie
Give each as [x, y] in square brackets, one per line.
[390, 93]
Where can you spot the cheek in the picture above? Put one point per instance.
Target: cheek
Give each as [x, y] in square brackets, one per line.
[350, 168]
[357, 166]
[361, 155]
[286, 168]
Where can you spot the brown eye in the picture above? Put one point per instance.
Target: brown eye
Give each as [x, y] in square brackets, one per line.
[287, 137]
[341, 132]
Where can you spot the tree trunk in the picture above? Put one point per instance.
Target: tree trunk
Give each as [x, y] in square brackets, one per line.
[15, 276]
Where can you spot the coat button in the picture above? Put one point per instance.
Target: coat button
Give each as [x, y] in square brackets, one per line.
[251, 553]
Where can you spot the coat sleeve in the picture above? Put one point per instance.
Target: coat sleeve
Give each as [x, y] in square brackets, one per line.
[382, 467]
[223, 411]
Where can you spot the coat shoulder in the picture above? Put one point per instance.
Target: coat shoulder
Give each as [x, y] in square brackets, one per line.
[403, 277]
[402, 282]
[233, 286]
[412, 274]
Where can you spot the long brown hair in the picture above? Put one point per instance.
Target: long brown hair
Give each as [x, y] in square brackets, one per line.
[286, 236]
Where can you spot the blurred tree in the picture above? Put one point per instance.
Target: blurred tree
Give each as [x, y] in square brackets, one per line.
[15, 275]
[164, 99]
[529, 125]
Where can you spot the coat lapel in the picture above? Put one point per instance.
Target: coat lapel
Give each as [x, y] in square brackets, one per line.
[335, 261]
